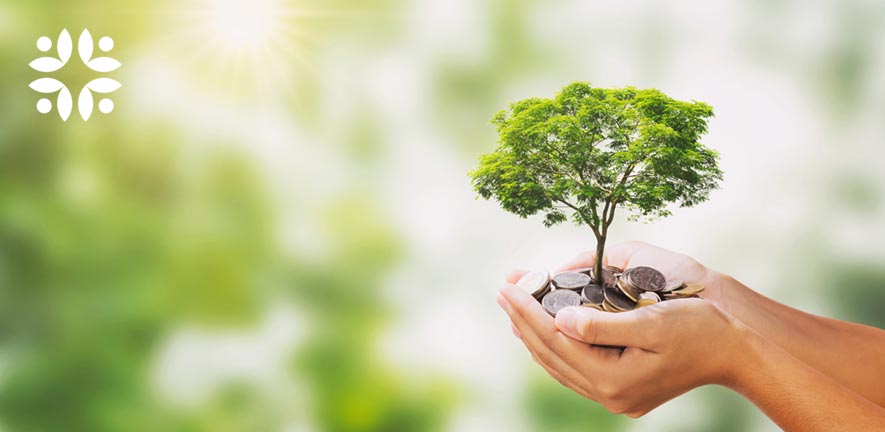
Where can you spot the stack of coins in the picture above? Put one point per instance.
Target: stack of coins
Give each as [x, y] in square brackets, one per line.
[615, 291]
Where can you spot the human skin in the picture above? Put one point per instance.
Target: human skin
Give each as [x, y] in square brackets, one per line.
[672, 335]
[852, 354]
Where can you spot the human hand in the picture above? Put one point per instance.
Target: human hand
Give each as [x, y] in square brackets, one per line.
[672, 265]
[670, 348]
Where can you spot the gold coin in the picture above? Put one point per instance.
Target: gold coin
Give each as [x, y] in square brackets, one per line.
[594, 306]
[644, 303]
[689, 290]
[608, 307]
[650, 296]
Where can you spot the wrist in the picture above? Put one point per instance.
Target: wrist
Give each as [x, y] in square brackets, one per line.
[743, 369]
[723, 290]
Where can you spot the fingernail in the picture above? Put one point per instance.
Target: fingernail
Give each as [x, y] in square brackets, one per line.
[515, 331]
[513, 272]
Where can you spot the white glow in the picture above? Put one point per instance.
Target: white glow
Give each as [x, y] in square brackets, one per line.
[242, 24]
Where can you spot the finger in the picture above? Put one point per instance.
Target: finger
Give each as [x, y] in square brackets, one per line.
[562, 380]
[515, 275]
[528, 311]
[542, 354]
[530, 337]
[515, 331]
[595, 327]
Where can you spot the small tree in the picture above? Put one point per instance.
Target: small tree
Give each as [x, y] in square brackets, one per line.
[590, 151]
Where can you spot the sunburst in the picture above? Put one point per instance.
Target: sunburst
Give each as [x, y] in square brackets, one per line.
[258, 46]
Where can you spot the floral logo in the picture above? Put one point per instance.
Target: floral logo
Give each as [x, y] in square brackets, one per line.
[64, 102]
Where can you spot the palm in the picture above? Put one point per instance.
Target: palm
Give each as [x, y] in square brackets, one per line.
[633, 254]
[673, 265]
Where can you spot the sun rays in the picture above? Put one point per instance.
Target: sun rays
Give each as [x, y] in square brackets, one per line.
[254, 48]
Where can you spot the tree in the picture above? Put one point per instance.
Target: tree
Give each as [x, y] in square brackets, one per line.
[589, 151]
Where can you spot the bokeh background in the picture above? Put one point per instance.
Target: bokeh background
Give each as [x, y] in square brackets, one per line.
[275, 231]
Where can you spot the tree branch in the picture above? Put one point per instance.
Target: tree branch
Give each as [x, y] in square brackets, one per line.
[608, 212]
[578, 210]
[605, 211]
[610, 217]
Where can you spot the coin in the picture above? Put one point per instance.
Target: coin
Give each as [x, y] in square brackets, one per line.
[606, 306]
[586, 270]
[593, 294]
[614, 269]
[629, 290]
[688, 290]
[594, 306]
[609, 276]
[650, 295]
[535, 283]
[618, 300]
[570, 281]
[647, 298]
[621, 291]
[673, 284]
[646, 278]
[560, 298]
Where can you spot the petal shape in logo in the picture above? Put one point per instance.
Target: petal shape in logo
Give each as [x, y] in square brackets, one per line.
[103, 85]
[103, 64]
[64, 104]
[65, 46]
[46, 85]
[46, 64]
[85, 103]
[84, 46]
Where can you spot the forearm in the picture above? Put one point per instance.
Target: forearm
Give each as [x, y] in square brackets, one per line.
[851, 354]
[796, 396]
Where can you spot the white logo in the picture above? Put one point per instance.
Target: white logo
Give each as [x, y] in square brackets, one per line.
[64, 102]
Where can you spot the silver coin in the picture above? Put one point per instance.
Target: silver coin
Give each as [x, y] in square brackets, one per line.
[571, 281]
[534, 282]
[618, 300]
[593, 294]
[560, 298]
[586, 270]
[646, 278]
[673, 284]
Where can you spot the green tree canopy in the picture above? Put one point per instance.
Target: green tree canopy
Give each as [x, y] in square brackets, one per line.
[589, 151]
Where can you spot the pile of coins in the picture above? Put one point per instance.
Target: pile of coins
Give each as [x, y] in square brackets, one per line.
[616, 290]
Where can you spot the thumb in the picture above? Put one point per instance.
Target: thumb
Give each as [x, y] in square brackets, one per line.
[606, 328]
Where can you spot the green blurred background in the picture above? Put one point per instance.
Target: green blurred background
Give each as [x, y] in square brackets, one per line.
[274, 230]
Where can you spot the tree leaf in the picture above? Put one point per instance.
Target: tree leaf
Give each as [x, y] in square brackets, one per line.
[591, 151]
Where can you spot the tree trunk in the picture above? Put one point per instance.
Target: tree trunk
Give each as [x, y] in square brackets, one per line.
[597, 267]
